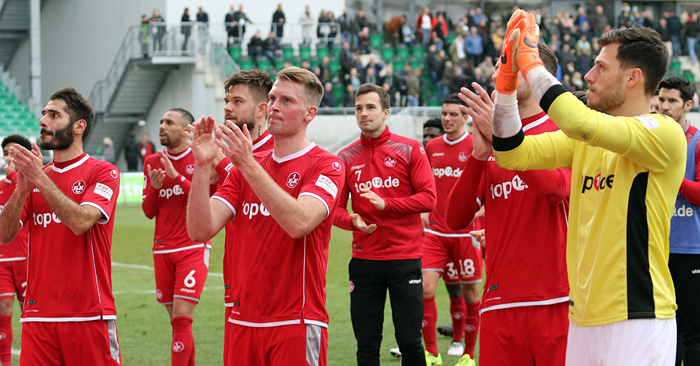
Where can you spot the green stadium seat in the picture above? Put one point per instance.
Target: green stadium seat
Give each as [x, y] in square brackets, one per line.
[417, 51]
[402, 51]
[314, 61]
[246, 63]
[336, 51]
[322, 52]
[433, 102]
[296, 61]
[398, 63]
[279, 62]
[338, 91]
[288, 51]
[415, 62]
[263, 63]
[375, 40]
[235, 53]
[675, 65]
[334, 65]
[304, 52]
[690, 76]
[450, 38]
[387, 52]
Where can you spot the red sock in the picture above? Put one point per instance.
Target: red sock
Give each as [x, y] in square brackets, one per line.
[458, 310]
[5, 339]
[472, 328]
[182, 350]
[430, 325]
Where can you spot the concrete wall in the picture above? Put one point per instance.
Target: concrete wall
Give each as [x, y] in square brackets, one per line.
[19, 67]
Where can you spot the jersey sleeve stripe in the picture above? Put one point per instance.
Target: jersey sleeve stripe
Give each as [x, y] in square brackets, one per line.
[508, 143]
[225, 202]
[551, 94]
[105, 218]
[328, 211]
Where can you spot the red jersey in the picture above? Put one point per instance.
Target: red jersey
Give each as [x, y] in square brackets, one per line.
[263, 143]
[168, 203]
[68, 276]
[276, 279]
[447, 159]
[17, 249]
[526, 223]
[397, 169]
[689, 189]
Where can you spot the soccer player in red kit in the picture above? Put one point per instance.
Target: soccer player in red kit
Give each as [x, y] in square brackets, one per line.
[181, 265]
[389, 180]
[448, 154]
[280, 201]
[69, 316]
[525, 302]
[13, 257]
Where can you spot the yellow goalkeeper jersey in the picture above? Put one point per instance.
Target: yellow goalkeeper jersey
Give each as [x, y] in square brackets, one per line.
[625, 175]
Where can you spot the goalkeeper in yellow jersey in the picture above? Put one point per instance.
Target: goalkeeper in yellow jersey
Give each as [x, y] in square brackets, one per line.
[627, 166]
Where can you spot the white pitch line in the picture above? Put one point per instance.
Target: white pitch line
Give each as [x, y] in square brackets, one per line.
[149, 268]
[15, 352]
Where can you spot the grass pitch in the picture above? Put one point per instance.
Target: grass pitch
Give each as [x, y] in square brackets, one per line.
[144, 326]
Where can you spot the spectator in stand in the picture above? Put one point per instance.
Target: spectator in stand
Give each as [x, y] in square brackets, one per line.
[675, 28]
[144, 36]
[580, 16]
[132, 152]
[185, 27]
[108, 150]
[345, 26]
[256, 45]
[347, 60]
[599, 21]
[624, 20]
[147, 148]
[692, 30]
[584, 50]
[349, 96]
[474, 46]
[307, 24]
[325, 66]
[462, 27]
[229, 23]
[407, 34]
[354, 79]
[478, 16]
[272, 47]
[278, 19]
[487, 67]
[333, 28]
[424, 24]
[392, 29]
[317, 71]
[665, 33]
[363, 41]
[323, 28]
[435, 40]
[371, 76]
[240, 19]
[306, 65]
[497, 42]
[357, 25]
[458, 80]
[157, 30]
[565, 55]
[328, 100]
[203, 25]
[413, 89]
[435, 63]
[457, 53]
[440, 28]
[443, 84]
[373, 64]
[391, 84]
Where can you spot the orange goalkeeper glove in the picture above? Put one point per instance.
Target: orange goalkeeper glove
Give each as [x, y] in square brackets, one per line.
[528, 55]
[507, 74]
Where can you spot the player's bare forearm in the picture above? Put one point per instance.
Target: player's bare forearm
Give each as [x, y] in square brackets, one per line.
[79, 219]
[9, 217]
[200, 225]
[297, 217]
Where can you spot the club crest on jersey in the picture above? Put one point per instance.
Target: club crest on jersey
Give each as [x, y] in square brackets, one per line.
[422, 150]
[2, 335]
[114, 173]
[178, 347]
[389, 161]
[336, 165]
[79, 187]
[189, 169]
[293, 179]
[462, 156]
[159, 294]
[352, 286]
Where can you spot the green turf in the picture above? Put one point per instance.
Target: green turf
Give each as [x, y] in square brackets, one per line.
[144, 327]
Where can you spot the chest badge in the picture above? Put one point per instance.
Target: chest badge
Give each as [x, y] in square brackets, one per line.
[79, 187]
[389, 161]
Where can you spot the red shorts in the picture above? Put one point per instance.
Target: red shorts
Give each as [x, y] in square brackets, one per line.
[13, 279]
[181, 274]
[70, 343]
[438, 251]
[524, 336]
[283, 345]
[450, 274]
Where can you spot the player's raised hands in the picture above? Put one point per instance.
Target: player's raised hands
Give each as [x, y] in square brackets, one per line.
[374, 198]
[168, 165]
[361, 225]
[156, 176]
[201, 140]
[235, 143]
[507, 74]
[480, 110]
[527, 54]
[29, 163]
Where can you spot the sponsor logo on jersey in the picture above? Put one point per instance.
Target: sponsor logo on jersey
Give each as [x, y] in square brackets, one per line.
[337, 166]
[599, 182]
[462, 156]
[648, 122]
[327, 184]
[79, 187]
[506, 188]
[439, 154]
[253, 209]
[414, 281]
[695, 271]
[377, 182]
[44, 219]
[447, 172]
[188, 290]
[355, 167]
[178, 346]
[389, 162]
[228, 167]
[169, 192]
[104, 191]
[189, 169]
[293, 179]
[682, 211]
[114, 173]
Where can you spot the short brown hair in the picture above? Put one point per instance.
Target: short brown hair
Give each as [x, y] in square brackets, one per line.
[77, 107]
[641, 48]
[548, 58]
[367, 88]
[257, 81]
[313, 87]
